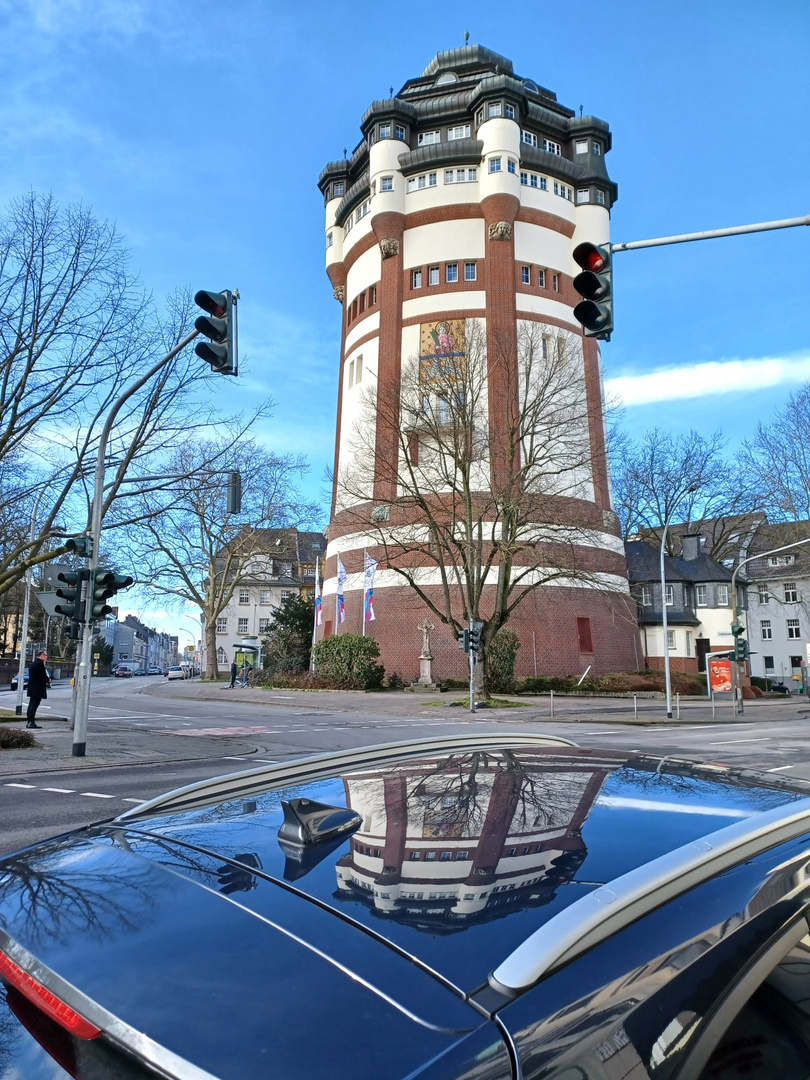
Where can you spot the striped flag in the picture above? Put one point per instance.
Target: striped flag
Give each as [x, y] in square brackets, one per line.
[341, 600]
[368, 589]
[318, 604]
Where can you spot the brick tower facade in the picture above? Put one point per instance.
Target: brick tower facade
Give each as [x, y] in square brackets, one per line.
[449, 239]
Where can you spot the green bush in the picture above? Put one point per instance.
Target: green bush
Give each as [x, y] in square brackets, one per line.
[455, 684]
[757, 680]
[14, 739]
[541, 684]
[501, 655]
[348, 662]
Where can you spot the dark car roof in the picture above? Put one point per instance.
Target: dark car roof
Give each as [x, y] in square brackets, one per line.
[461, 856]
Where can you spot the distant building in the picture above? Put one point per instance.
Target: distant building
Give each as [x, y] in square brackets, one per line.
[698, 603]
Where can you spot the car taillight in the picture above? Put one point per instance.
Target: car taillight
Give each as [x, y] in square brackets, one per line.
[49, 1003]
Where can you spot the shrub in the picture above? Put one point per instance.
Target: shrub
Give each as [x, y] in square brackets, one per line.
[348, 661]
[455, 684]
[541, 684]
[293, 680]
[14, 739]
[395, 681]
[500, 660]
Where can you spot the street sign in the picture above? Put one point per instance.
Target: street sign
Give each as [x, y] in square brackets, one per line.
[190, 648]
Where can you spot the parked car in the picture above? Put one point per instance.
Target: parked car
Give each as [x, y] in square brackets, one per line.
[176, 672]
[15, 679]
[139, 671]
[123, 671]
[477, 907]
[153, 670]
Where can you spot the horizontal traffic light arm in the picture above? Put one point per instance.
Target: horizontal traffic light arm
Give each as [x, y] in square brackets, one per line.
[712, 234]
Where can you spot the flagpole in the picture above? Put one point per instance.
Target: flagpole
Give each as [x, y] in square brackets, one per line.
[315, 614]
[365, 590]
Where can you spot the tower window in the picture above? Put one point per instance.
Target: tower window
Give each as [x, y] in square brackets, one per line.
[416, 279]
[541, 278]
[529, 137]
[524, 179]
[509, 112]
[552, 147]
[555, 282]
[526, 275]
[597, 148]
[469, 271]
[428, 138]
[582, 146]
[583, 195]
[600, 197]
[494, 164]
[329, 240]
[358, 369]
[386, 183]
[451, 272]
[462, 131]
[385, 131]
[511, 165]
[433, 275]
[338, 188]
[399, 132]
[493, 109]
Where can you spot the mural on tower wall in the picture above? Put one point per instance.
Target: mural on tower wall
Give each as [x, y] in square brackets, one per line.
[442, 350]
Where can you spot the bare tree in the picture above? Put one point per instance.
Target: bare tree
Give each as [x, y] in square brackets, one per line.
[778, 459]
[190, 549]
[492, 451]
[652, 478]
[76, 328]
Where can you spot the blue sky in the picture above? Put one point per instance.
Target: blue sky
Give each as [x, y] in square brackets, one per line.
[201, 128]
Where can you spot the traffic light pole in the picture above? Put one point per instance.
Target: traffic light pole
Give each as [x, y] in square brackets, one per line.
[712, 234]
[84, 669]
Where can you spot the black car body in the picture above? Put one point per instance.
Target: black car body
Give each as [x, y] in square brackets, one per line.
[486, 908]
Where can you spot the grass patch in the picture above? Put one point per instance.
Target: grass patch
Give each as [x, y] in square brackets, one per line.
[493, 703]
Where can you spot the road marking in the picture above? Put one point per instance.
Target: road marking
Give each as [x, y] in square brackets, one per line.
[781, 768]
[95, 795]
[20, 785]
[274, 761]
[61, 790]
[139, 801]
[726, 742]
[617, 731]
[235, 759]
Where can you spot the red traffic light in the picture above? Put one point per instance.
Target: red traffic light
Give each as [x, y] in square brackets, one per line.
[215, 303]
[589, 257]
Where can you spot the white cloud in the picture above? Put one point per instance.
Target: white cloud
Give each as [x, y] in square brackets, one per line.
[708, 379]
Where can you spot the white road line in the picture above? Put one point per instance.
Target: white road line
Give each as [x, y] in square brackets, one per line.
[274, 761]
[235, 759]
[60, 790]
[781, 768]
[20, 785]
[95, 795]
[139, 801]
[726, 742]
[616, 732]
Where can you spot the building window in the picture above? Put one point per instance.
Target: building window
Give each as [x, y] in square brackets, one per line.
[543, 183]
[430, 856]
[460, 176]
[524, 179]
[243, 626]
[286, 594]
[433, 275]
[600, 197]
[584, 635]
[555, 282]
[222, 626]
[494, 164]
[782, 560]
[416, 279]
[700, 595]
[688, 643]
[493, 109]
[358, 371]
[583, 195]
[793, 629]
[552, 147]
[399, 132]
[329, 240]
[386, 183]
[526, 275]
[722, 595]
[670, 593]
[765, 627]
[646, 596]
[385, 131]
[244, 596]
[763, 596]
[670, 639]
[541, 278]
[428, 138]
[264, 596]
[470, 271]
[462, 131]
[338, 188]
[451, 273]
[511, 165]
[462, 856]
[768, 661]
[417, 183]
[509, 112]
[529, 138]
[264, 625]
[446, 856]
[597, 148]
[582, 146]
[479, 116]
[791, 595]
[372, 295]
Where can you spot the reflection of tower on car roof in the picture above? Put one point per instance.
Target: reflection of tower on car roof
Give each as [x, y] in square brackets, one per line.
[470, 840]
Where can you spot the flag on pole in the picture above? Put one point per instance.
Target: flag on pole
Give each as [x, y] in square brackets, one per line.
[368, 589]
[318, 605]
[341, 601]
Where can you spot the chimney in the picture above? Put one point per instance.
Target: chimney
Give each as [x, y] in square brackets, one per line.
[690, 547]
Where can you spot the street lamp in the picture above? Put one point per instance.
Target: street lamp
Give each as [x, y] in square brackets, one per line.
[667, 679]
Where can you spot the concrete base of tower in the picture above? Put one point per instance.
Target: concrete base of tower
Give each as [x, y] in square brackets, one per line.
[562, 631]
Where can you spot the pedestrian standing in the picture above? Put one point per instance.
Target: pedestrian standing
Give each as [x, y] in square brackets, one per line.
[234, 671]
[39, 682]
[246, 670]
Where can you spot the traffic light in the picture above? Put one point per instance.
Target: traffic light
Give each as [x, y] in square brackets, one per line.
[595, 312]
[234, 492]
[218, 325]
[106, 584]
[473, 640]
[79, 545]
[464, 640]
[740, 649]
[73, 606]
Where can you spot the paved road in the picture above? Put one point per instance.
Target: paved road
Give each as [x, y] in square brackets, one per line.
[161, 742]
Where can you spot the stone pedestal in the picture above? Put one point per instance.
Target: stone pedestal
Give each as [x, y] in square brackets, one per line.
[425, 683]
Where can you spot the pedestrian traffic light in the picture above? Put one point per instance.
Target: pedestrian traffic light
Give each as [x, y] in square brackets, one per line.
[473, 640]
[595, 312]
[234, 492]
[73, 606]
[106, 584]
[464, 640]
[219, 326]
[79, 545]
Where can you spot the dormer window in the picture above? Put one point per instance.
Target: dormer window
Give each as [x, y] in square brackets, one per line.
[530, 86]
[399, 132]
[582, 146]
[494, 109]
[338, 188]
[529, 138]
[552, 147]
[429, 138]
[462, 131]
[446, 78]
[385, 131]
[596, 148]
[509, 112]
